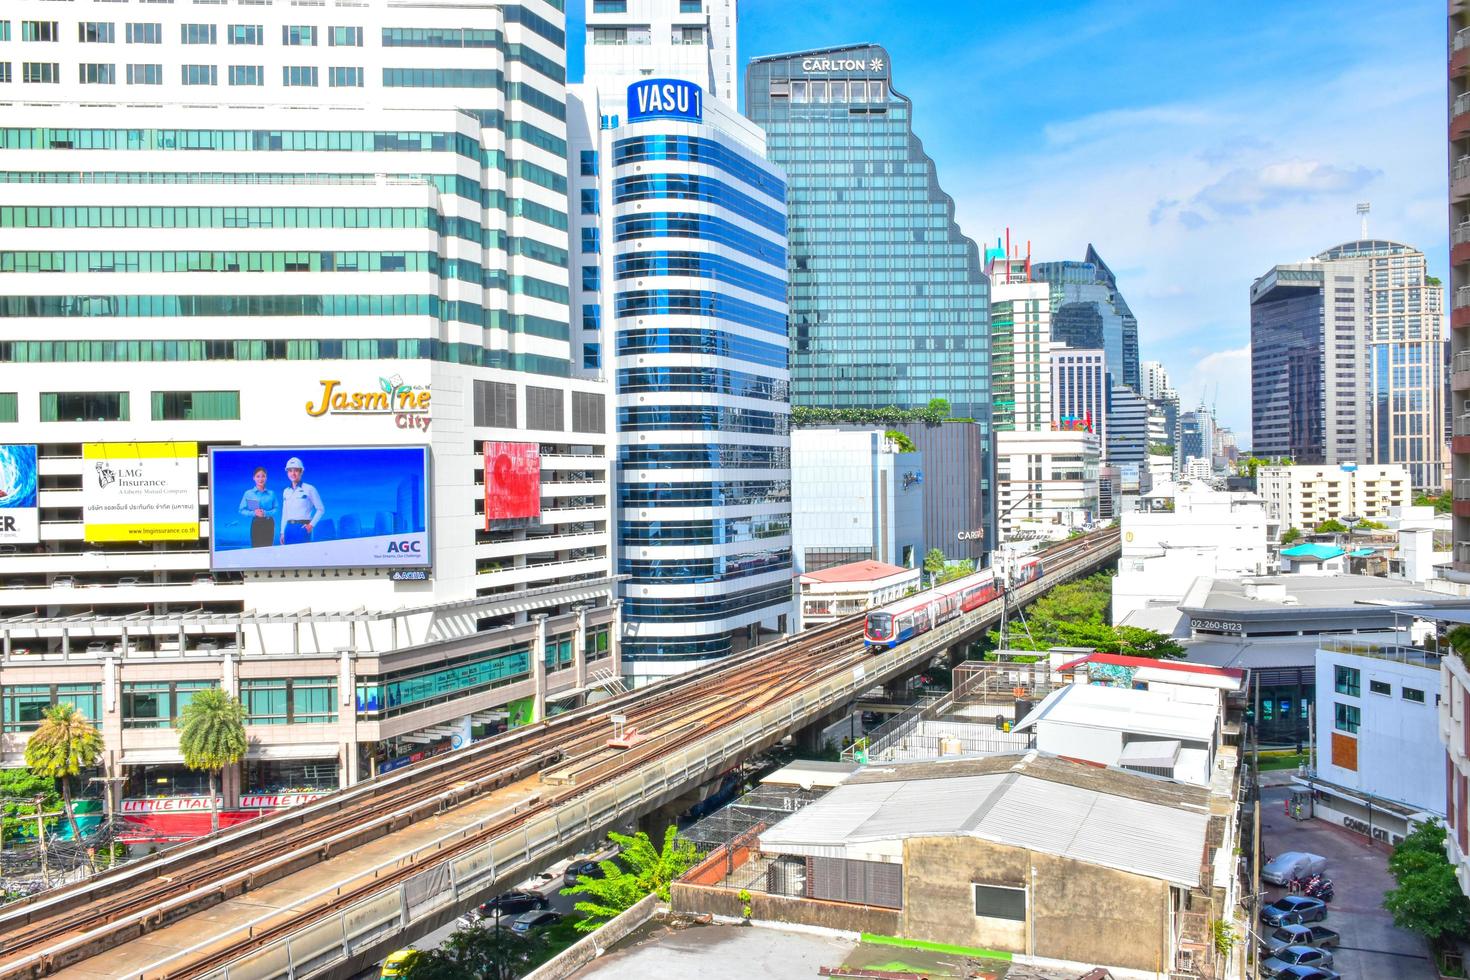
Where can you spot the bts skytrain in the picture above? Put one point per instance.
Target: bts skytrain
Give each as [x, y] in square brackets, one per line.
[890, 625]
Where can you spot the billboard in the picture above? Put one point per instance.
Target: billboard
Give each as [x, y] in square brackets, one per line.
[665, 98]
[283, 507]
[140, 491]
[512, 481]
[20, 515]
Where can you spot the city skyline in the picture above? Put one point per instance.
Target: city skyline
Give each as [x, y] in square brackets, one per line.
[1221, 174]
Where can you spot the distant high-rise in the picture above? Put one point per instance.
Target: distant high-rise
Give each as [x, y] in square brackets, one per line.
[1079, 390]
[888, 302]
[1154, 381]
[1088, 311]
[1347, 360]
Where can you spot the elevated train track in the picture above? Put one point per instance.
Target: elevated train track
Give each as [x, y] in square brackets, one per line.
[142, 903]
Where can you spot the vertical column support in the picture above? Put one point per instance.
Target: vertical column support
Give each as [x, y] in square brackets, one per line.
[579, 649]
[615, 639]
[538, 671]
[349, 773]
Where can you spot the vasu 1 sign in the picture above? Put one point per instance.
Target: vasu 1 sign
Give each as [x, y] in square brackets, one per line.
[665, 98]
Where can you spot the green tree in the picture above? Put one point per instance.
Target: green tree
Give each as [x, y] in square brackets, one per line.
[1366, 525]
[934, 562]
[211, 737]
[63, 744]
[1428, 899]
[1291, 534]
[1331, 526]
[482, 952]
[1139, 642]
[1160, 449]
[901, 440]
[1442, 503]
[640, 870]
[1075, 614]
[1458, 638]
[955, 570]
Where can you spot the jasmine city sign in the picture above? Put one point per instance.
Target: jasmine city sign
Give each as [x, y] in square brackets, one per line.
[842, 64]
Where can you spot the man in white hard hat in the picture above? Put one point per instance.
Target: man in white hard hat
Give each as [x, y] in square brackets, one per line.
[301, 505]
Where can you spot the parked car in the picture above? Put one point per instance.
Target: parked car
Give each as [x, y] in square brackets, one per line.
[1296, 934]
[535, 920]
[1294, 910]
[1295, 956]
[583, 869]
[1293, 864]
[1310, 973]
[512, 903]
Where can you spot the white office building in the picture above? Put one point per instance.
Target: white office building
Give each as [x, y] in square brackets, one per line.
[1046, 477]
[1305, 495]
[855, 495]
[689, 39]
[1183, 532]
[319, 233]
[679, 296]
[1380, 767]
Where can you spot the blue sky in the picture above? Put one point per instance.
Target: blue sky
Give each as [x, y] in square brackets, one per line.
[1194, 144]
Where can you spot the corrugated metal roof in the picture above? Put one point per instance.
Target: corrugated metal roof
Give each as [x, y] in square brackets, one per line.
[1124, 710]
[1015, 808]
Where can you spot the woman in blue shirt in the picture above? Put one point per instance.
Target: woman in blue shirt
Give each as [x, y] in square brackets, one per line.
[260, 505]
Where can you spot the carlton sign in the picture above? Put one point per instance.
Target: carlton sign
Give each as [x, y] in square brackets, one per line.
[842, 64]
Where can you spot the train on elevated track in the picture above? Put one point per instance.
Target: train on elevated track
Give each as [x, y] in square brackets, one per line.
[911, 616]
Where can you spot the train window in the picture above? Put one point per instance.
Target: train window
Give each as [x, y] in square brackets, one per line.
[879, 623]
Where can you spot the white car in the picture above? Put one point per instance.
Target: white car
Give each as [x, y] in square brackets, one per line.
[1293, 864]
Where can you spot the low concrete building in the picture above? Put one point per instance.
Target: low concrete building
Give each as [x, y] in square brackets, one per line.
[843, 590]
[1379, 768]
[1454, 736]
[1186, 530]
[1313, 559]
[1306, 495]
[1021, 853]
[1145, 731]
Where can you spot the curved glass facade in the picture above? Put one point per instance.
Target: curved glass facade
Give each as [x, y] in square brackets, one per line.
[690, 282]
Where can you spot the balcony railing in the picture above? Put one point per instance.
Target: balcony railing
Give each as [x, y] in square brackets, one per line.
[1462, 104]
[1461, 39]
[1462, 425]
[1461, 169]
[1462, 489]
[1462, 296]
[1461, 233]
[1461, 361]
[1398, 653]
[1462, 552]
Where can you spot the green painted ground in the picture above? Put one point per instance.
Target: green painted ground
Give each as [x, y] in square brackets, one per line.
[934, 947]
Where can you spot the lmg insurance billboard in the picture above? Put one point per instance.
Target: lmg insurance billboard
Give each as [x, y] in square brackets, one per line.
[281, 507]
[140, 491]
[20, 517]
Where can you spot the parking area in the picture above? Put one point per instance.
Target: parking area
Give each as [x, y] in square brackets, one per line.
[1372, 946]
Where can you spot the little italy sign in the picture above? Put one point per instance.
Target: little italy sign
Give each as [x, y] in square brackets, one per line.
[200, 804]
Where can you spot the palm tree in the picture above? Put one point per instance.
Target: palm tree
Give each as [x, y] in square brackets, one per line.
[64, 743]
[212, 736]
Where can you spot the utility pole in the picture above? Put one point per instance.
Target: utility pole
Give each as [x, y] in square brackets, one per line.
[1255, 952]
[41, 838]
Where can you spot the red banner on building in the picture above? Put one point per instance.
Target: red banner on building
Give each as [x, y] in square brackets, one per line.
[512, 480]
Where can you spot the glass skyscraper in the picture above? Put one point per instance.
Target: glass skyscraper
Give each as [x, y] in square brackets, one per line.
[1088, 311]
[888, 302]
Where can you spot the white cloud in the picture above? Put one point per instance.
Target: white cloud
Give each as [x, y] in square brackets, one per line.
[1197, 200]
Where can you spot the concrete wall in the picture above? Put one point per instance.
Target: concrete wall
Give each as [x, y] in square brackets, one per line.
[570, 960]
[700, 899]
[1078, 912]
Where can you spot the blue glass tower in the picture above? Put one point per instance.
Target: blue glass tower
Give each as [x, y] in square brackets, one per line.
[1088, 311]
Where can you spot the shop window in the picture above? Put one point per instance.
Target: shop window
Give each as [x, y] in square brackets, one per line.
[290, 775]
[21, 705]
[289, 701]
[157, 704]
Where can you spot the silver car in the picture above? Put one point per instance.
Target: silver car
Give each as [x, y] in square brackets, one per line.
[1291, 956]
